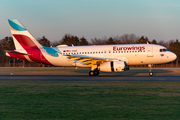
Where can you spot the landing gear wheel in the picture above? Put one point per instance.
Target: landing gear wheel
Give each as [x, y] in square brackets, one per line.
[91, 73]
[150, 68]
[94, 73]
[150, 73]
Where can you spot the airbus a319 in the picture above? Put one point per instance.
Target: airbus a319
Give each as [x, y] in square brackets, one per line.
[105, 58]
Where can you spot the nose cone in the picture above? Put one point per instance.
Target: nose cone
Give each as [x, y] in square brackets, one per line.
[173, 56]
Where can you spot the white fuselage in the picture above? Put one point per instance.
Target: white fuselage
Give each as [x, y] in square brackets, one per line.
[133, 54]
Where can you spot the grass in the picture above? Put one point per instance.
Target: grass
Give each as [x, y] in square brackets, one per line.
[86, 100]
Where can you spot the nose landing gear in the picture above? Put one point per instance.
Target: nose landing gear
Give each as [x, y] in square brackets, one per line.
[150, 68]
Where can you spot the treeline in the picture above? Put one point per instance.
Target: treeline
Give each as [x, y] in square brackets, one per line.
[7, 44]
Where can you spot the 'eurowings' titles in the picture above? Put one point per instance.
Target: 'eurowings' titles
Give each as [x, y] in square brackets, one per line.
[140, 48]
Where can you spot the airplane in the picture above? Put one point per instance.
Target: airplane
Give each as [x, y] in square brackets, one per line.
[105, 58]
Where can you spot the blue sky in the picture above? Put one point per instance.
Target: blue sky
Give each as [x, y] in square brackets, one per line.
[156, 19]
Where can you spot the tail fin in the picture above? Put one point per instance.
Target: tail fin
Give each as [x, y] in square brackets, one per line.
[21, 37]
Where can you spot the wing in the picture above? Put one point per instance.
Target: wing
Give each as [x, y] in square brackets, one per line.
[88, 60]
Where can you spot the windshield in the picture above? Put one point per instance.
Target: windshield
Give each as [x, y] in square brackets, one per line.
[163, 50]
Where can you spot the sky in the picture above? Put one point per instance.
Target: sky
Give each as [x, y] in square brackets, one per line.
[155, 19]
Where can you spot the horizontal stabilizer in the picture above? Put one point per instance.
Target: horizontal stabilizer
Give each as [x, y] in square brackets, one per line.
[15, 52]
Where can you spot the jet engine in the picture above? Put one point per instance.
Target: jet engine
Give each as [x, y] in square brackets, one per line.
[114, 66]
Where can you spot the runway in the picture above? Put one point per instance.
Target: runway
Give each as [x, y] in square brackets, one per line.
[88, 78]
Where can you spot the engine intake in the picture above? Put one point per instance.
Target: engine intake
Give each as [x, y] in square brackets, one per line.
[114, 66]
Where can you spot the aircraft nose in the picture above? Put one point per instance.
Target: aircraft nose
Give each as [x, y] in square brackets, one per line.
[173, 56]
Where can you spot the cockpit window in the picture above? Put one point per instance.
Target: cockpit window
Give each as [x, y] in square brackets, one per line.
[163, 50]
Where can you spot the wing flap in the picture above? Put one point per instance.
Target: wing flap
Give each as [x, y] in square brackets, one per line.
[87, 60]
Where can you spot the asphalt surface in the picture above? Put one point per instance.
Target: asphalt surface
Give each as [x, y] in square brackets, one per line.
[89, 78]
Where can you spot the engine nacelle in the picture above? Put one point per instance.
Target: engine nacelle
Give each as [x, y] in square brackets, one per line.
[114, 66]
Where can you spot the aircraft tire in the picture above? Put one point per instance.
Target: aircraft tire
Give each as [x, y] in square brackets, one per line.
[96, 72]
[150, 73]
[91, 73]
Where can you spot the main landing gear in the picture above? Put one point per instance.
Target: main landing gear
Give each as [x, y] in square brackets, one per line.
[94, 73]
[150, 68]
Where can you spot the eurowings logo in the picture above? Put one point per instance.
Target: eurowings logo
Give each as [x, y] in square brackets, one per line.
[140, 48]
[162, 55]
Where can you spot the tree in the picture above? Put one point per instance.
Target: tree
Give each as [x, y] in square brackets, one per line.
[96, 41]
[163, 43]
[69, 39]
[7, 44]
[55, 43]
[110, 41]
[83, 41]
[154, 41]
[44, 41]
[143, 40]
[126, 39]
[175, 47]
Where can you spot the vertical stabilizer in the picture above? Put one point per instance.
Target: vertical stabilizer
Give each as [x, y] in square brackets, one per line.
[21, 37]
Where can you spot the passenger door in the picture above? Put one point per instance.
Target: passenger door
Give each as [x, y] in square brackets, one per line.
[150, 51]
